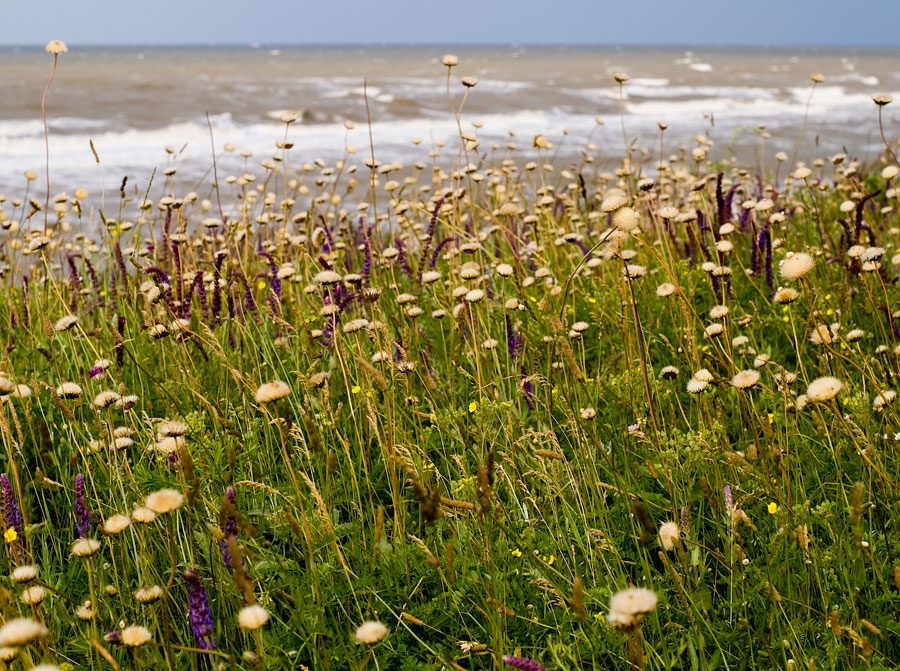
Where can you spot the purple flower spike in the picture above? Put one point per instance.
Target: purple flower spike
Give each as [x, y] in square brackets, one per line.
[524, 663]
[199, 612]
[12, 516]
[82, 516]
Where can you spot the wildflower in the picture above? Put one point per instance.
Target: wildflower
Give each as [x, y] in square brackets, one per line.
[668, 372]
[9, 508]
[796, 266]
[85, 547]
[882, 99]
[713, 330]
[143, 515]
[68, 390]
[695, 386]
[148, 594]
[32, 596]
[718, 312]
[252, 617]
[21, 631]
[785, 295]
[745, 379]
[85, 611]
[523, 663]
[473, 406]
[625, 219]
[82, 516]
[628, 607]
[620, 77]
[665, 289]
[272, 391]
[24, 573]
[474, 295]
[116, 524]
[371, 632]
[504, 270]
[587, 413]
[327, 277]
[164, 501]
[56, 47]
[772, 507]
[885, 397]
[823, 389]
[633, 271]
[450, 60]
[198, 611]
[104, 399]
[669, 535]
[135, 636]
[613, 200]
[65, 323]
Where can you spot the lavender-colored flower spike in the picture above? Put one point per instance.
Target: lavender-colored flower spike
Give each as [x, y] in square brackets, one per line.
[729, 501]
[230, 529]
[12, 516]
[82, 516]
[523, 663]
[199, 612]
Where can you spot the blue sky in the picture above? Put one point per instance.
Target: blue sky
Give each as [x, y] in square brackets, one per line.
[680, 22]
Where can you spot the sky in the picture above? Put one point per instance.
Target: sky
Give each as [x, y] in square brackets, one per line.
[870, 23]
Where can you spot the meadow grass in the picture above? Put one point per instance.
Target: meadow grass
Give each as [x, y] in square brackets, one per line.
[442, 416]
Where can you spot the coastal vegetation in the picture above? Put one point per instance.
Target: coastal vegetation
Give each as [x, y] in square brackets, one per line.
[488, 411]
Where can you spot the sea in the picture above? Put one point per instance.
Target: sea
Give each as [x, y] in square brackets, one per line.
[119, 114]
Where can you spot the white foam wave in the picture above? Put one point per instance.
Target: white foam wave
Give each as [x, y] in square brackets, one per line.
[701, 67]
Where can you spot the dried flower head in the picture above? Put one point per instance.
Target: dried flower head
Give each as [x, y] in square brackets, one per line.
[24, 573]
[164, 501]
[116, 524]
[32, 596]
[252, 617]
[85, 547]
[21, 631]
[824, 389]
[68, 390]
[271, 391]
[450, 60]
[148, 594]
[135, 636]
[796, 266]
[56, 47]
[371, 632]
[65, 323]
[669, 535]
[745, 379]
[882, 99]
[628, 607]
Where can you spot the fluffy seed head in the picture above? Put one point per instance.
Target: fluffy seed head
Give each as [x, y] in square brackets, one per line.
[745, 379]
[628, 607]
[68, 390]
[824, 389]
[369, 633]
[32, 596]
[255, 616]
[796, 266]
[56, 47]
[21, 631]
[24, 573]
[85, 547]
[164, 501]
[272, 391]
[65, 323]
[148, 594]
[116, 524]
[669, 535]
[135, 636]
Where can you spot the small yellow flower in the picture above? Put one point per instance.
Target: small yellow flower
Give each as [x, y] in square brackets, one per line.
[473, 406]
[10, 535]
[356, 389]
[261, 285]
[771, 416]
[516, 553]
[773, 508]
